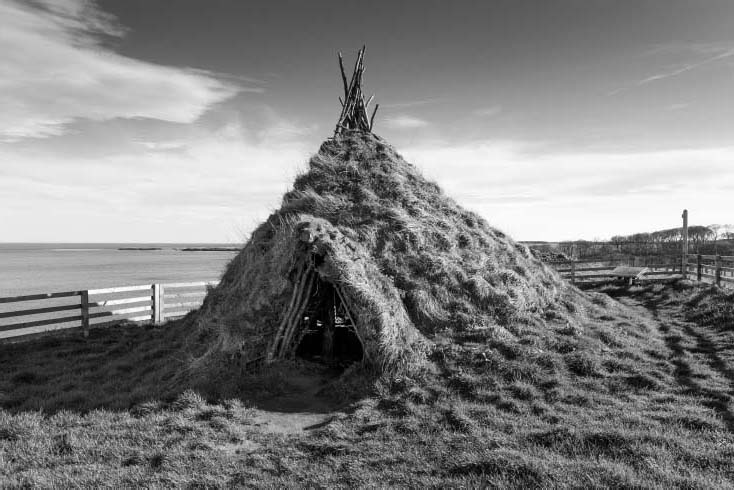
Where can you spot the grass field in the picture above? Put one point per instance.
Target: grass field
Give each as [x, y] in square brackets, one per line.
[640, 398]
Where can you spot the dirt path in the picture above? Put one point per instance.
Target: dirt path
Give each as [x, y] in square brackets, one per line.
[702, 357]
[304, 407]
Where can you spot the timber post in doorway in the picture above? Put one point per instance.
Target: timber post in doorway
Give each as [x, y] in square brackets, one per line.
[684, 262]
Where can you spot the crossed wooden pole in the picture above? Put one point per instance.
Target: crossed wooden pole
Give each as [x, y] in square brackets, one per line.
[354, 108]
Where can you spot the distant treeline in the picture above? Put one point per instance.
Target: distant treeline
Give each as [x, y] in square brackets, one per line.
[711, 239]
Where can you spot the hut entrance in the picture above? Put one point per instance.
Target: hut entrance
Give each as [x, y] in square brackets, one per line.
[328, 334]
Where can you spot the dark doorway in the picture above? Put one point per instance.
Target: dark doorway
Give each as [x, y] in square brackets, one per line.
[327, 333]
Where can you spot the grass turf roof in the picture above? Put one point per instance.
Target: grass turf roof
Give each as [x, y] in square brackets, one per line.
[410, 262]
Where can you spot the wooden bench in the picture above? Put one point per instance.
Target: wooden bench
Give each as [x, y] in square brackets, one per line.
[631, 274]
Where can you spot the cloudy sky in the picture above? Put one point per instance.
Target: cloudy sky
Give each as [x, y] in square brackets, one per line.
[185, 121]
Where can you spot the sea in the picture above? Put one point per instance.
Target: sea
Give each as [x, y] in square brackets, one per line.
[31, 268]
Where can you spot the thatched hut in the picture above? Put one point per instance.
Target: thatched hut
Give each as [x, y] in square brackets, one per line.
[368, 254]
[368, 261]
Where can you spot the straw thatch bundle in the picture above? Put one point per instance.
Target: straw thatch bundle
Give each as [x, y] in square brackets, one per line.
[407, 262]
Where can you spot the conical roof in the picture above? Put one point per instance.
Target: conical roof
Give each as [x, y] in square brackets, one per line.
[414, 266]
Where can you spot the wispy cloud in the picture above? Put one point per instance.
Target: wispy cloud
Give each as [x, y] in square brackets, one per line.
[404, 121]
[491, 111]
[678, 106]
[54, 69]
[685, 68]
[411, 103]
[710, 53]
[162, 145]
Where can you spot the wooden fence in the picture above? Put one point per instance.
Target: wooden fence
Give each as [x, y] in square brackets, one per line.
[713, 269]
[600, 270]
[148, 303]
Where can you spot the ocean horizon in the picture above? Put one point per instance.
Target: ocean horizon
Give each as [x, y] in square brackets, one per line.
[43, 267]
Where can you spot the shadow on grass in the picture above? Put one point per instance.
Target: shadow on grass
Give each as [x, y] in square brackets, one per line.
[113, 368]
[122, 367]
[675, 332]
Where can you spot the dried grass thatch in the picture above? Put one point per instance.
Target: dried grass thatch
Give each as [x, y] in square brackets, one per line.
[410, 264]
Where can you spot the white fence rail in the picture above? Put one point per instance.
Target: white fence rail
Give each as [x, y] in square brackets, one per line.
[99, 307]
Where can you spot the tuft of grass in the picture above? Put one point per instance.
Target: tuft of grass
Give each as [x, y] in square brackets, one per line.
[643, 382]
[146, 408]
[62, 445]
[157, 460]
[457, 418]
[188, 400]
[134, 459]
[583, 364]
[505, 469]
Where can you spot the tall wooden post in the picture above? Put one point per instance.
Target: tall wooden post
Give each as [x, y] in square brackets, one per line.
[717, 272]
[158, 315]
[85, 312]
[573, 271]
[684, 263]
[699, 267]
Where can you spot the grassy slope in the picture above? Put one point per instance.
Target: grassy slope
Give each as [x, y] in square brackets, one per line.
[640, 396]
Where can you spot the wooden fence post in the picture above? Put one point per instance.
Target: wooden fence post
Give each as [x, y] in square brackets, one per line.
[84, 300]
[684, 262]
[158, 314]
[717, 273]
[699, 267]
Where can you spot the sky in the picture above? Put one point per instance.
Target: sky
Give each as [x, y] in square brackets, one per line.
[186, 121]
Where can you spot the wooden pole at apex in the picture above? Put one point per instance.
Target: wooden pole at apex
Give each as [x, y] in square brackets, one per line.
[354, 116]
